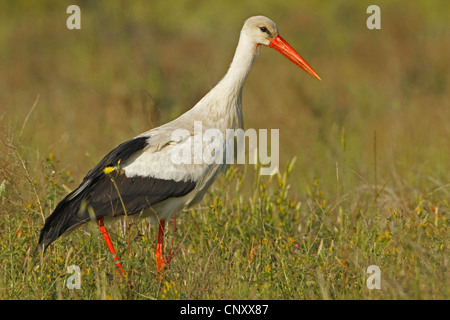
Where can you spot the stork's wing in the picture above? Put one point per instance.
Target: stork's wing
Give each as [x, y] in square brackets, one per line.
[111, 192]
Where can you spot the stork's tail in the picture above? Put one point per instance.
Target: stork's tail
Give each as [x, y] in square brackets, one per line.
[67, 216]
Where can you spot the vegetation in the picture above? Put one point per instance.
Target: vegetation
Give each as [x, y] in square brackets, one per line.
[365, 153]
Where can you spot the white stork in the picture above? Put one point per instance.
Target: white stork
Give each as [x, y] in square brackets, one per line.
[138, 177]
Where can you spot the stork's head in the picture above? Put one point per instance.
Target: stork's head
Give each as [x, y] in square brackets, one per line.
[264, 31]
[260, 29]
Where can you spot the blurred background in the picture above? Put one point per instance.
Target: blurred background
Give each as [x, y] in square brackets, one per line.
[381, 114]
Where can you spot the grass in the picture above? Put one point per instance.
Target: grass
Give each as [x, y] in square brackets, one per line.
[268, 245]
[365, 153]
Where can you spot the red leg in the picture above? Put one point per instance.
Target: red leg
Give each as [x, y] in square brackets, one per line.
[109, 243]
[159, 248]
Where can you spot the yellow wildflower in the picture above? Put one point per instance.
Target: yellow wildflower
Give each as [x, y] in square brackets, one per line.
[108, 170]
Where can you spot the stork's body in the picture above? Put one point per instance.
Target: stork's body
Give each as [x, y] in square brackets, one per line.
[139, 178]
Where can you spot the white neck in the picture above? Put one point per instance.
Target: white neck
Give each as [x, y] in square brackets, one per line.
[225, 99]
[245, 55]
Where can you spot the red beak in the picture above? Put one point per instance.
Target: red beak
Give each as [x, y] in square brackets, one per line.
[283, 47]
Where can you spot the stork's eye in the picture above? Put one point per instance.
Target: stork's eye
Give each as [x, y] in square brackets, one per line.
[263, 29]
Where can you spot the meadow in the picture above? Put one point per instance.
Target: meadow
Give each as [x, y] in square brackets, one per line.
[365, 153]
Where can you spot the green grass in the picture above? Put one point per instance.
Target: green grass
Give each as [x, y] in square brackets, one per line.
[365, 153]
[268, 244]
